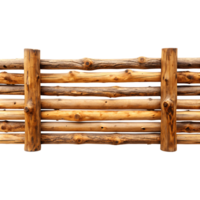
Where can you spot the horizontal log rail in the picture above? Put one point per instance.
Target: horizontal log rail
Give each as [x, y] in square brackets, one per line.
[92, 64]
[88, 115]
[114, 139]
[113, 91]
[99, 104]
[87, 77]
[187, 127]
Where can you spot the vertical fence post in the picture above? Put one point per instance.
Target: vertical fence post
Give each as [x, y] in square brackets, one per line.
[168, 140]
[32, 100]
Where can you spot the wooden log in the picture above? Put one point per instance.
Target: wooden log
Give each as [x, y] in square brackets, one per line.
[12, 138]
[12, 64]
[168, 100]
[83, 138]
[87, 104]
[85, 91]
[114, 139]
[32, 100]
[95, 64]
[99, 91]
[92, 64]
[188, 127]
[80, 115]
[88, 115]
[188, 63]
[82, 77]
[88, 77]
[188, 139]
[10, 126]
[149, 104]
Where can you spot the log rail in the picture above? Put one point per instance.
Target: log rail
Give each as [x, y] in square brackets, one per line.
[84, 113]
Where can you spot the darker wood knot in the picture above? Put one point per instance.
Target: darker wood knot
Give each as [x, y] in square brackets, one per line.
[26, 109]
[77, 116]
[88, 63]
[165, 104]
[4, 66]
[190, 77]
[78, 140]
[141, 59]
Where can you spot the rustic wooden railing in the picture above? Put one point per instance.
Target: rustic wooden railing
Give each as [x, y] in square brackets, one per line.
[164, 109]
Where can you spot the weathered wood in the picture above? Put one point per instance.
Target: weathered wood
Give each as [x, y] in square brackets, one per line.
[88, 115]
[32, 100]
[168, 104]
[94, 64]
[114, 139]
[12, 138]
[83, 138]
[149, 104]
[85, 115]
[88, 77]
[188, 139]
[85, 126]
[188, 127]
[81, 77]
[12, 64]
[168, 99]
[99, 91]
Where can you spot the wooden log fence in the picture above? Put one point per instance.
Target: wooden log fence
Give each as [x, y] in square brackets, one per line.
[83, 115]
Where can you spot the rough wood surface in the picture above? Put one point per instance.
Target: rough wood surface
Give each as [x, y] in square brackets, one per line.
[99, 104]
[168, 140]
[92, 64]
[100, 115]
[188, 127]
[32, 100]
[98, 139]
[88, 77]
[101, 91]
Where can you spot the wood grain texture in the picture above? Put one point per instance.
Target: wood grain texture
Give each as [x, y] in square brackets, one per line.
[84, 138]
[100, 115]
[32, 100]
[101, 91]
[104, 127]
[100, 104]
[168, 99]
[102, 77]
[95, 64]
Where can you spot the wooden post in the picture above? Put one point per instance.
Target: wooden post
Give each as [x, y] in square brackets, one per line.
[32, 100]
[177, 84]
[168, 139]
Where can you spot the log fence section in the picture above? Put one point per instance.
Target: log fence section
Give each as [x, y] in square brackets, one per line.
[32, 100]
[164, 109]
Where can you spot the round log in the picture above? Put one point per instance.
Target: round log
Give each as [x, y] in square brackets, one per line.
[88, 115]
[92, 64]
[88, 77]
[83, 138]
[188, 127]
[99, 91]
